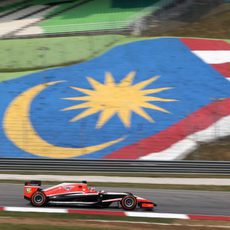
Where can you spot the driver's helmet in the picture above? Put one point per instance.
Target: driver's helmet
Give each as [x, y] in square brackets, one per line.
[92, 189]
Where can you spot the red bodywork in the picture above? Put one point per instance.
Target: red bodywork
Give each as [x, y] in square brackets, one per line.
[59, 189]
[29, 190]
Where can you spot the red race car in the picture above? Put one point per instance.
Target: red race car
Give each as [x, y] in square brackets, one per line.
[81, 194]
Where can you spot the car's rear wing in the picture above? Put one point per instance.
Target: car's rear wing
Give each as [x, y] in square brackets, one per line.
[31, 187]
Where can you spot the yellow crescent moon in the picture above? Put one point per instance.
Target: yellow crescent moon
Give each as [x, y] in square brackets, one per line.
[19, 130]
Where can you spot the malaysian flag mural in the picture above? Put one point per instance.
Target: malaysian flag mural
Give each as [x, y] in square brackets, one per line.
[149, 99]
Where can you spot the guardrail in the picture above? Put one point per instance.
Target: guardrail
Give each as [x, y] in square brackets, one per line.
[115, 166]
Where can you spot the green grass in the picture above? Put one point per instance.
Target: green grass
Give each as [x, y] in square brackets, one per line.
[80, 222]
[97, 15]
[19, 55]
[80, 216]
[60, 8]
[4, 76]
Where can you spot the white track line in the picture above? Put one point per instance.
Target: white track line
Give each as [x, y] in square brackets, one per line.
[157, 215]
[41, 210]
[128, 214]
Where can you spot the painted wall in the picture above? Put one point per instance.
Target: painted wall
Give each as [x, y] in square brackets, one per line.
[150, 99]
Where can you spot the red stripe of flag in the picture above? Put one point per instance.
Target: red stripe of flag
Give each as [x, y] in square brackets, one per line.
[96, 212]
[223, 69]
[1, 208]
[200, 119]
[197, 44]
[203, 217]
[205, 44]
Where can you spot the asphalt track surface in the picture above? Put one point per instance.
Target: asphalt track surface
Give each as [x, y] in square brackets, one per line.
[169, 201]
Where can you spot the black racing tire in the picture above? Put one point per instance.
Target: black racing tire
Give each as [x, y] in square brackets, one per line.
[129, 202]
[38, 199]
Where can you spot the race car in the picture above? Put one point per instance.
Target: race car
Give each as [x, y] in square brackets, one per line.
[81, 194]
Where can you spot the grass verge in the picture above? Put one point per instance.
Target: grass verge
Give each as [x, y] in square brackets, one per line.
[4, 76]
[73, 216]
[19, 55]
[50, 221]
[41, 221]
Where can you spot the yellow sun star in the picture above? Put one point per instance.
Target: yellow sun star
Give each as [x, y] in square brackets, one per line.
[122, 99]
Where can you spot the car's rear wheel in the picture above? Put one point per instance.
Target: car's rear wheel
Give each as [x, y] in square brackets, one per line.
[129, 202]
[38, 199]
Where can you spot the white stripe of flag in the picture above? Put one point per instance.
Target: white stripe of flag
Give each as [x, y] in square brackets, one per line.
[213, 56]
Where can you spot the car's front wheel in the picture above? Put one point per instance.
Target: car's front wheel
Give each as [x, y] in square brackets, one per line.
[38, 199]
[129, 202]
